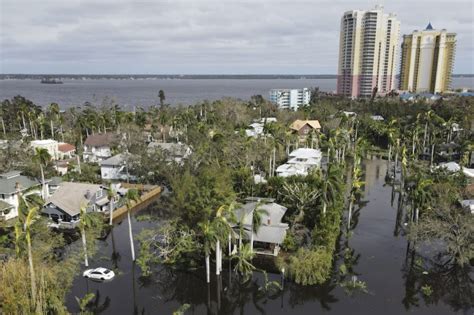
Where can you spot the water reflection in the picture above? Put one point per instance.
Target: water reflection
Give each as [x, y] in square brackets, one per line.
[375, 251]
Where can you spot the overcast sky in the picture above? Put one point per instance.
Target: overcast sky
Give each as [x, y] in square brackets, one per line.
[201, 36]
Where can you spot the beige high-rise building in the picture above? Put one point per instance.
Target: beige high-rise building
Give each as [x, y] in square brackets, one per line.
[368, 52]
[427, 61]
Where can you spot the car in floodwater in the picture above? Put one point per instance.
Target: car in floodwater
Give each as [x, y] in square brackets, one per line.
[99, 274]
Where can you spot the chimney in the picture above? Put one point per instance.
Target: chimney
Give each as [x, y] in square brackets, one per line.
[88, 194]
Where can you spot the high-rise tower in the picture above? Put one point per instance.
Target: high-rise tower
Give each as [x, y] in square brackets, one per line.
[427, 60]
[368, 51]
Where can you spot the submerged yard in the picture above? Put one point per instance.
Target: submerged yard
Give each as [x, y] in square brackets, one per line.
[378, 258]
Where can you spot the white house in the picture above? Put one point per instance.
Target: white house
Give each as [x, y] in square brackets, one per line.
[256, 128]
[52, 146]
[115, 167]
[11, 184]
[98, 147]
[300, 162]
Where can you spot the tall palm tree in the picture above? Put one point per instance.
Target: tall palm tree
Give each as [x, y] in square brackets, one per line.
[421, 195]
[257, 215]
[32, 213]
[208, 239]
[53, 110]
[87, 220]
[330, 185]
[131, 197]
[357, 184]
[222, 229]
[42, 157]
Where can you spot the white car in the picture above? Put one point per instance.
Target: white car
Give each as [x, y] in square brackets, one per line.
[99, 274]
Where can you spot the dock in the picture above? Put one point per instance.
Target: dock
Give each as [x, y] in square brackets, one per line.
[152, 194]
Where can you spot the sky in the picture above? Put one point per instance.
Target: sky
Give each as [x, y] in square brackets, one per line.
[202, 36]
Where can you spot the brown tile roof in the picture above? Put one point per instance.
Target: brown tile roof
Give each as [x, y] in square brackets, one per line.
[298, 124]
[66, 147]
[100, 140]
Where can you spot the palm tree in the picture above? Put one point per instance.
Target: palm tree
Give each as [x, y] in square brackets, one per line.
[208, 239]
[421, 195]
[330, 185]
[53, 110]
[244, 264]
[257, 215]
[357, 184]
[222, 230]
[131, 196]
[87, 220]
[42, 157]
[32, 213]
[161, 95]
[301, 195]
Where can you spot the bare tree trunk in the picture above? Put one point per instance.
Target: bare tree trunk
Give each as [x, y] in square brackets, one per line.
[84, 245]
[78, 164]
[3, 127]
[43, 187]
[208, 270]
[32, 271]
[349, 218]
[52, 128]
[251, 240]
[432, 154]
[111, 208]
[217, 257]
[230, 245]
[130, 234]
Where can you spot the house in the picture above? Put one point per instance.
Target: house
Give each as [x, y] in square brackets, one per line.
[256, 128]
[66, 151]
[63, 207]
[98, 147]
[271, 233]
[11, 185]
[176, 152]
[304, 128]
[300, 162]
[52, 146]
[115, 168]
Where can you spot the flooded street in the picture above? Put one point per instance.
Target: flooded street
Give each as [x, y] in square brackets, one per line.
[381, 262]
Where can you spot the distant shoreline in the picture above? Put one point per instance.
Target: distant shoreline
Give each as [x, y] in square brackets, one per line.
[178, 76]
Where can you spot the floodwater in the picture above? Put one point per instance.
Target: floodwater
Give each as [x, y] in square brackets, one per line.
[380, 260]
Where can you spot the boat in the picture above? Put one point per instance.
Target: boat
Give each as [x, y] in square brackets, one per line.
[51, 81]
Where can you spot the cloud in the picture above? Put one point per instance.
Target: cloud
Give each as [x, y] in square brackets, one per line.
[200, 36]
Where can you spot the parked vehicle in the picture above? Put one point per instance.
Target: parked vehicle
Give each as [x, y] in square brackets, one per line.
[99, 274]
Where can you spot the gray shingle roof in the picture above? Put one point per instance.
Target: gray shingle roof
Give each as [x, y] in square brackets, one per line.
[272, 229]
[8, 182]
[71, 196]
[115, 160]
